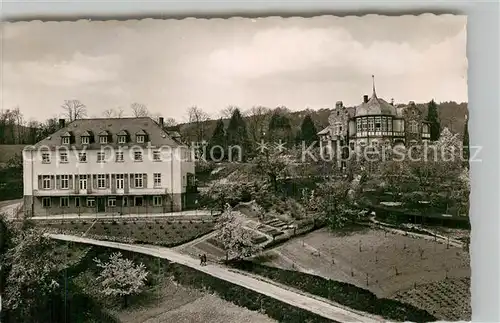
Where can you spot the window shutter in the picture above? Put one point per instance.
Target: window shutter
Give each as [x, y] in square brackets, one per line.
[145, 180]
[113, 181]
[94, 181]
[70, 182]
[107, 180]
[40, 183]
[52, 182]
[132, 182]
[58, 182]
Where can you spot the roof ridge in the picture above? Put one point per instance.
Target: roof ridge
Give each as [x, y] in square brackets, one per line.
[111, 118]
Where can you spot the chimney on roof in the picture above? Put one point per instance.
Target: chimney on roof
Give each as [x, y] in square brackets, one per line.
[365, 98]
[62, 123]
[160, 121]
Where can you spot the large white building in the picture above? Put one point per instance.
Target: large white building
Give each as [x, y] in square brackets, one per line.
[118, 165]
[374, 122]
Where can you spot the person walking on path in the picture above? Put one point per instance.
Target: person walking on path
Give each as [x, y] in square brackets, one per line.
[204, 259]
[201, 259]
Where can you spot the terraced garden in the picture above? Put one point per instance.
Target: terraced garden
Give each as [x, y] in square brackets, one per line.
[162, 232]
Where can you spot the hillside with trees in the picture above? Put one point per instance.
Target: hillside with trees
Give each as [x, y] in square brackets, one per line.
[261, 120]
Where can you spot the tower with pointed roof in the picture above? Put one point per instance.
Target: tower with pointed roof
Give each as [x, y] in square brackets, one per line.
[375, 122]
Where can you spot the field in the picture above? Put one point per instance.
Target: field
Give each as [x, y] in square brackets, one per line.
[174, 303]
[423, 273]
[163, 232]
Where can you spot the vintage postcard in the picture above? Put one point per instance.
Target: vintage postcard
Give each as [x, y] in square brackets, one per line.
[235, 170]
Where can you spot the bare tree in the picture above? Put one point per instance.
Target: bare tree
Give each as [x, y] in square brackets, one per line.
[108, 113]
[170, 122]
[227, 112]
[198, 118]
[20, 123]
[74, 109]
[257, 120]
[139, 110]
[113, 113]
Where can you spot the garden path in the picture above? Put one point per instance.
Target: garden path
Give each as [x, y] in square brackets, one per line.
[308, 303]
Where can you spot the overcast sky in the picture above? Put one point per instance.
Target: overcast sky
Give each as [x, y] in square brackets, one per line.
[173, 64]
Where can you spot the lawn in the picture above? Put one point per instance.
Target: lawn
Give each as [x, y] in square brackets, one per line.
[389, 265]
[177, 304]
[159, 231]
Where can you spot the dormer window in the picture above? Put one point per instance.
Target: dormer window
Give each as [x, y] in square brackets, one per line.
[140, 137]
[86, 137]
[104, 137]
[85, 140]
[123, 137]
[66, 138]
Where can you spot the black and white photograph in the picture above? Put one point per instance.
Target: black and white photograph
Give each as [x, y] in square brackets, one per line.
[235, 170]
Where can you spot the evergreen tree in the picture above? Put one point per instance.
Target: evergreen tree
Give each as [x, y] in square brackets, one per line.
[308, 132]
[237, 134]
[280, 127]
[466, 140]
[433, 118]
[218, 139]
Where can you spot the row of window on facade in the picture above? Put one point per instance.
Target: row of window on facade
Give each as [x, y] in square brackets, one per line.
[383, 124]
[103, 139]
[90, 201]
[101, 157]
[119, 157]
[49, 182]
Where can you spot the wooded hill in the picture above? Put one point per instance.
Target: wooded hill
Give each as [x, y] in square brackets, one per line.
[451, 115]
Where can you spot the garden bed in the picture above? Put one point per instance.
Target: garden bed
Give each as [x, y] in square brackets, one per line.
[159, 232]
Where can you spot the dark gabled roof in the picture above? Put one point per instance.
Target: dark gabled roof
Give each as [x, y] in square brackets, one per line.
[122, 132]
[67, 134]
[86, 133]
[104, 133]
[141, 133]
[144, 125]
